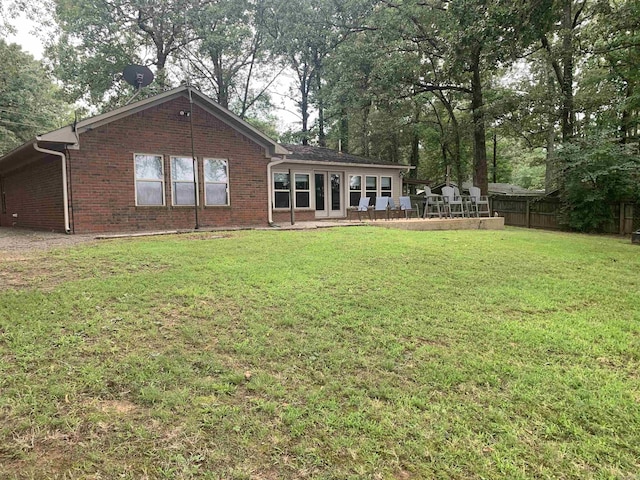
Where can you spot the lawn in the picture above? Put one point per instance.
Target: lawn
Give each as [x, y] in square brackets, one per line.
[327, 354]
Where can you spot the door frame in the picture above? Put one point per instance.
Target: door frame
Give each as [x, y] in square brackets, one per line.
[326, 212]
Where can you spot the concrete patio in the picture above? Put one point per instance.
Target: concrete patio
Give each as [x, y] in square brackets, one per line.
[419, 224]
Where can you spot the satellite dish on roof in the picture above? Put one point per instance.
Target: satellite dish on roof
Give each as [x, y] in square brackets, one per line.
[138, 75]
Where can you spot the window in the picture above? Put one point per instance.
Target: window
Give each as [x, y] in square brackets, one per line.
[281, 190]
[385, 186]
[216, 182]
[371, 184]
[182, 181]
[303, 190]
[149, 173]
[355, 190]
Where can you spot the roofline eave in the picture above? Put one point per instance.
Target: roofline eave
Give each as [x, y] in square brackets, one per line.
[347, 164]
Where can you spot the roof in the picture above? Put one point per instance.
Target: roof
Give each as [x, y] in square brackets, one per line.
[508, 189]
[309, 153]
[69, 134]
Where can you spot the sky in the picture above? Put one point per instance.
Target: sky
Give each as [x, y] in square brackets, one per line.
[287, 119]
[24, 37]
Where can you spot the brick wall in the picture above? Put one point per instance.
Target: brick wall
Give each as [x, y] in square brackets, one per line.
[102, 172]
[284, 218]
[34, 193]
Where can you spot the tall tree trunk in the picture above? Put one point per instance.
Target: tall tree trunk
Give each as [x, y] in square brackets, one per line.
[322, 139]
[365, 129]
[344, 130]
[456, 161]
[480, 175]
[414, 159]
[626, 122]
[568, 115]
[304, 109]
[550, 166]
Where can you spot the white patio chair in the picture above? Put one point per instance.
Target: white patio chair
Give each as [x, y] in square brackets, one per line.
[453, 202]
[480, 202]
[433, 204]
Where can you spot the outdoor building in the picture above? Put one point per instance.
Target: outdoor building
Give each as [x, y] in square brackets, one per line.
[132, 169]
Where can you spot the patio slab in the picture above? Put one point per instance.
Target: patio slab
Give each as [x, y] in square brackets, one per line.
[488, 223]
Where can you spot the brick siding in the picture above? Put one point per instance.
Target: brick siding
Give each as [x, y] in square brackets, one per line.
[34, 193]
[102, 172]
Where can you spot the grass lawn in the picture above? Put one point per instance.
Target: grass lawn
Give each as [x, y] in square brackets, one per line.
[327, 354]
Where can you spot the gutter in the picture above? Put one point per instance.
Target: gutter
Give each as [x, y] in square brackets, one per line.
[272, 163]
[65, 193]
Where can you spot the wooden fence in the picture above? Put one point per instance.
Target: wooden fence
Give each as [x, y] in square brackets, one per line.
[544, 212]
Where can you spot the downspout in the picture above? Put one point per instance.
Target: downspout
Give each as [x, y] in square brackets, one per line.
[65, 193]
[273, 163]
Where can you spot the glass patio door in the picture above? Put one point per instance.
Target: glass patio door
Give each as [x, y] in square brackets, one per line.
[328, 192]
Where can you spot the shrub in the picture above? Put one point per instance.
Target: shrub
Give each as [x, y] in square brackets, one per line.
[597, 173]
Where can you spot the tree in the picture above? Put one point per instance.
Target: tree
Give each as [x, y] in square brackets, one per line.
[458, 43]
[30, 103]
[305, 34]
[597, 171]
[99, 38]
[231, 54]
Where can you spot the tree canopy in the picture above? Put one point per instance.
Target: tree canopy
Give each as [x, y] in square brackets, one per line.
[445, 85]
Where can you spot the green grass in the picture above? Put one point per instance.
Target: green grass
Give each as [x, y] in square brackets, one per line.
[343, 353]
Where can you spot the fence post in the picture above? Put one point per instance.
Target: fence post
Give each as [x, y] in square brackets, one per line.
[621, 219]
[528, 214]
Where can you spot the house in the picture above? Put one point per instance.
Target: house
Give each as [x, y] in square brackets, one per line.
[132, 169]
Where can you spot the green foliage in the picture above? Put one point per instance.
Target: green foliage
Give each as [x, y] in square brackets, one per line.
[597, 173]
[30, 103]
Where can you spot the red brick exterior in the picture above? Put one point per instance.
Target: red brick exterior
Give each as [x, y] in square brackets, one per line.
[102, 172]
[34, 193]
[284, 218]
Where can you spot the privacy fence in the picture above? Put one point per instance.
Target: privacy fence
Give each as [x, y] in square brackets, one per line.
[544, 212]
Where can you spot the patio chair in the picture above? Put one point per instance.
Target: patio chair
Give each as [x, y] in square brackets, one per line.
[433, 204]
[453, 202]
[480, 203]
[466, 201]
[363, 206]
[392, 209]
[382, 205]
[406, 207]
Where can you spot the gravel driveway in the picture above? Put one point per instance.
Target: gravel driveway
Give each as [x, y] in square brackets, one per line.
[19, 241]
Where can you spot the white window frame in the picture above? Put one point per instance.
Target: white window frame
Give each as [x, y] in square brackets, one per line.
[390, 191]
[280, 190]
[226, 163]
[308, 191]
[367, 190]
[173, 182]
[354, 191]
[136, 179]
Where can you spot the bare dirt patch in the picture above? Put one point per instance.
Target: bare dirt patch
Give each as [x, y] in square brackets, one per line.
[19, 243]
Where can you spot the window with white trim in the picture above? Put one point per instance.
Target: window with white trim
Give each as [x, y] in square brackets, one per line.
[280, 190]
[371, 188]
[149, 176]
[355, 190]
[183, 186]
[303, 190]
[216, 181]
[385, 186]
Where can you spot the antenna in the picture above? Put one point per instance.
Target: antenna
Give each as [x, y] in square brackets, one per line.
[138, 76]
